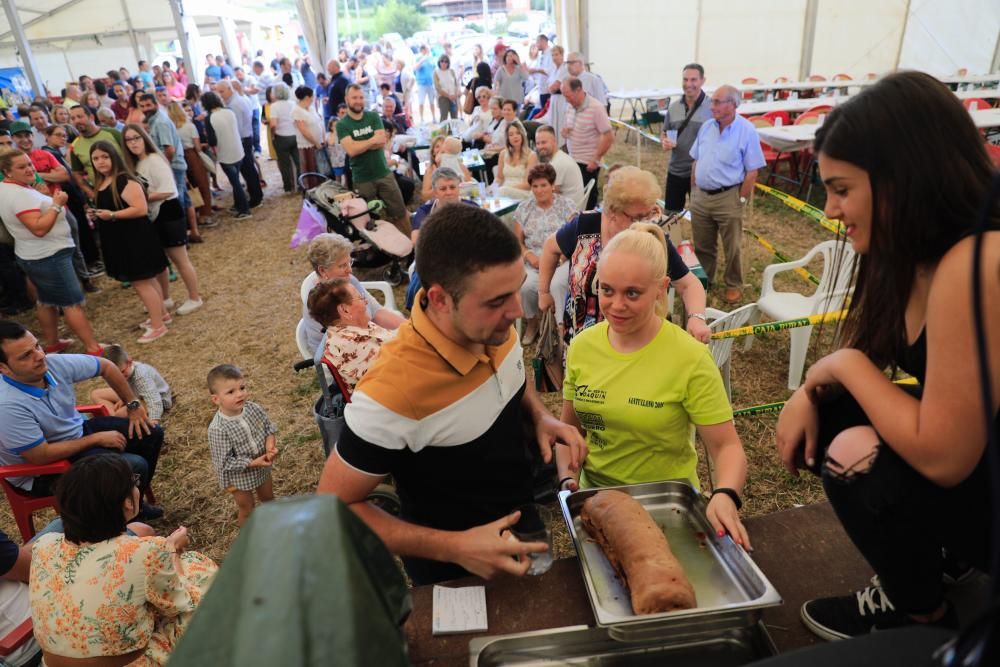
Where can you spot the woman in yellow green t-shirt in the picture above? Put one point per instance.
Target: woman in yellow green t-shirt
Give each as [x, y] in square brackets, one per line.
[636, 384]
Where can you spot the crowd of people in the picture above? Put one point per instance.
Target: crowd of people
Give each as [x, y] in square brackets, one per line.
[121, 176]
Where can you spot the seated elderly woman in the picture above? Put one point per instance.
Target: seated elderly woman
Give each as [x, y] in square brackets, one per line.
[638, 423]
[100, 596]
[630, 196]
[353, 341]
[534, 221]
[330, 256]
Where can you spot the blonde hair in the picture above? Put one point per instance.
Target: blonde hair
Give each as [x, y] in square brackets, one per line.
[438, 140]
[630, 186]
[327, 249]
[646, 241]
[176, 113]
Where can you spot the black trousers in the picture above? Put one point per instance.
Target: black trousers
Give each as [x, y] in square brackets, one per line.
[248, 168]
[899, 520]
[589, 176]
[141, 452]
[675, 191]
[13, 289]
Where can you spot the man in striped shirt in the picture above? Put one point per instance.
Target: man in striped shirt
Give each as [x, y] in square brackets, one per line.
[587, 132]
[443, 407]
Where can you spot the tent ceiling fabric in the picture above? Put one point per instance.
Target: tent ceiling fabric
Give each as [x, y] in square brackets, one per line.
[61, 20]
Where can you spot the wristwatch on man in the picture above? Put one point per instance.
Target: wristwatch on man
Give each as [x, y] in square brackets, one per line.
[133, 405]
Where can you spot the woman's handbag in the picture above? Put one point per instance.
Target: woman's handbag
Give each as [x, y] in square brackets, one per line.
[548, 363]
[195, 195]
[470, 102]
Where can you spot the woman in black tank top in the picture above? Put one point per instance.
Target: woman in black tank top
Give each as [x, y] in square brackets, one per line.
[904, 466]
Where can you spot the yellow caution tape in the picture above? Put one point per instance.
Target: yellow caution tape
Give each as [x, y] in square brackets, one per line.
[754, 329]
[834, 226]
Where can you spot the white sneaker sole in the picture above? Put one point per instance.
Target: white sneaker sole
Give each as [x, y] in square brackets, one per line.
[817, 628]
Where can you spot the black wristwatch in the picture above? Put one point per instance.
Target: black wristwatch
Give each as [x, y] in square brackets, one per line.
[735, 497]
[133, 405]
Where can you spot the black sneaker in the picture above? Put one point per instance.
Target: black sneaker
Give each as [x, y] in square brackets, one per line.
[860, 613]
[96, 269]
[149, 513]
[956, 572]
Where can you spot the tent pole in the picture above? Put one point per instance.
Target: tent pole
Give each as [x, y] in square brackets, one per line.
[227, 26]
[332, 34]
[697, 34]
[194, 69]
[131, 30]
[808, 38]
[902, 35]
[24, 49]
[996, 57]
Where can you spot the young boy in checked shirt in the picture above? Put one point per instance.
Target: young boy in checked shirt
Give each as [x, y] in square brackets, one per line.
[241, 440]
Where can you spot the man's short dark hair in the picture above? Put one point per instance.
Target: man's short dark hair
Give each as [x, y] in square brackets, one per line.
[545, 128]
[510, 103]
[116, 354]
[258, 63]
[100, 88]
[10, 330]
[223, 372]
[459, 240]
[574, 83]
[701, 70]
[90, 496]
[141, 63]
[83, 107]
[148, 97]
[351, 87]
[384, 86]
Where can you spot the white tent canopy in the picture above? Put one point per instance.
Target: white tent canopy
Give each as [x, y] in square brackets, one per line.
[640, 43]
[73, 37]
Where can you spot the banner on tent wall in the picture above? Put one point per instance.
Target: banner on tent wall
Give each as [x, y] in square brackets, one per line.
[15, 87]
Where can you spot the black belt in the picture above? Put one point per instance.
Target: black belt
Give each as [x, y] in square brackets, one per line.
[719, 190]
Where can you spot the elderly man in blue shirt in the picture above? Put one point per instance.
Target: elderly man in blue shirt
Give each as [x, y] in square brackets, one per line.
[726, 156]
[241, 108]
[39, 423]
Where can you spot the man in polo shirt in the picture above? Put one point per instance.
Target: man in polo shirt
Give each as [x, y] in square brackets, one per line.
[441, 410]
[685, 117]
[83, 120]
[569, 180]
[38, 419]
[363, 137]
[588, 133]
[726, 157]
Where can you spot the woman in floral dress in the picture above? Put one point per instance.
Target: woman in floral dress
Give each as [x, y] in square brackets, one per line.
[97, 591]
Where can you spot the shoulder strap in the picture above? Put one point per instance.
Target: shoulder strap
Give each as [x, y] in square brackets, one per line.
[690, 114]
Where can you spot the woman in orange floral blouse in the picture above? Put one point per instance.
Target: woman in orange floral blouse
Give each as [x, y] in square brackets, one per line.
[99, 592]
[353, 341]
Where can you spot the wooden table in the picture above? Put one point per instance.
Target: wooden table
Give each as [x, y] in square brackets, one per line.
[803, 551]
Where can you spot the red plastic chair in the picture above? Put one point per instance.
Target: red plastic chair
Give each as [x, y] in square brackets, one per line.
[820, 109]
[773, 115]
[772, 157]
[782, 94]
[814, 92]
[16, 638]
[22, 503]
[978, 101]
[749, 95]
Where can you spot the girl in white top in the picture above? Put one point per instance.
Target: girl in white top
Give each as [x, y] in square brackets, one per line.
[515, 162]
[165, 212]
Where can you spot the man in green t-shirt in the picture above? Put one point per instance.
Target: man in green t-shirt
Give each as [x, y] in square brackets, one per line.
[361, 134]
[83, 120]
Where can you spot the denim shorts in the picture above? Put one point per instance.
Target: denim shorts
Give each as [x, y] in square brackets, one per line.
[180, 178]
[54, 278]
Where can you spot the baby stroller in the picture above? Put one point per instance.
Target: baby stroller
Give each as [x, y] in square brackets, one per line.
[376, 242]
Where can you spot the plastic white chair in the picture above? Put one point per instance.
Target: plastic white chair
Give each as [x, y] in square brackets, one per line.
[834, 287]
[456, 126]
[300, 340]
[581, 203]
[722, 349]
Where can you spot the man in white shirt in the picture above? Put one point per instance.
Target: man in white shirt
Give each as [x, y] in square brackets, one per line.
[543, 70]
[569, 180]
[593, 85]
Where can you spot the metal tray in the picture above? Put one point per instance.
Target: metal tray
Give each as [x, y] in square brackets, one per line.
[595, 647]
[727, 583]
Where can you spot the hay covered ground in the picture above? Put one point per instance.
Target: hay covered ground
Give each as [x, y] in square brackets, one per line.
[250, 281]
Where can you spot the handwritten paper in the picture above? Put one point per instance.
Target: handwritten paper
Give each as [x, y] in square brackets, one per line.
[459, 610]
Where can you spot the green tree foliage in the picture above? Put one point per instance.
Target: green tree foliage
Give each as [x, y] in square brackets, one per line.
[395, 16]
